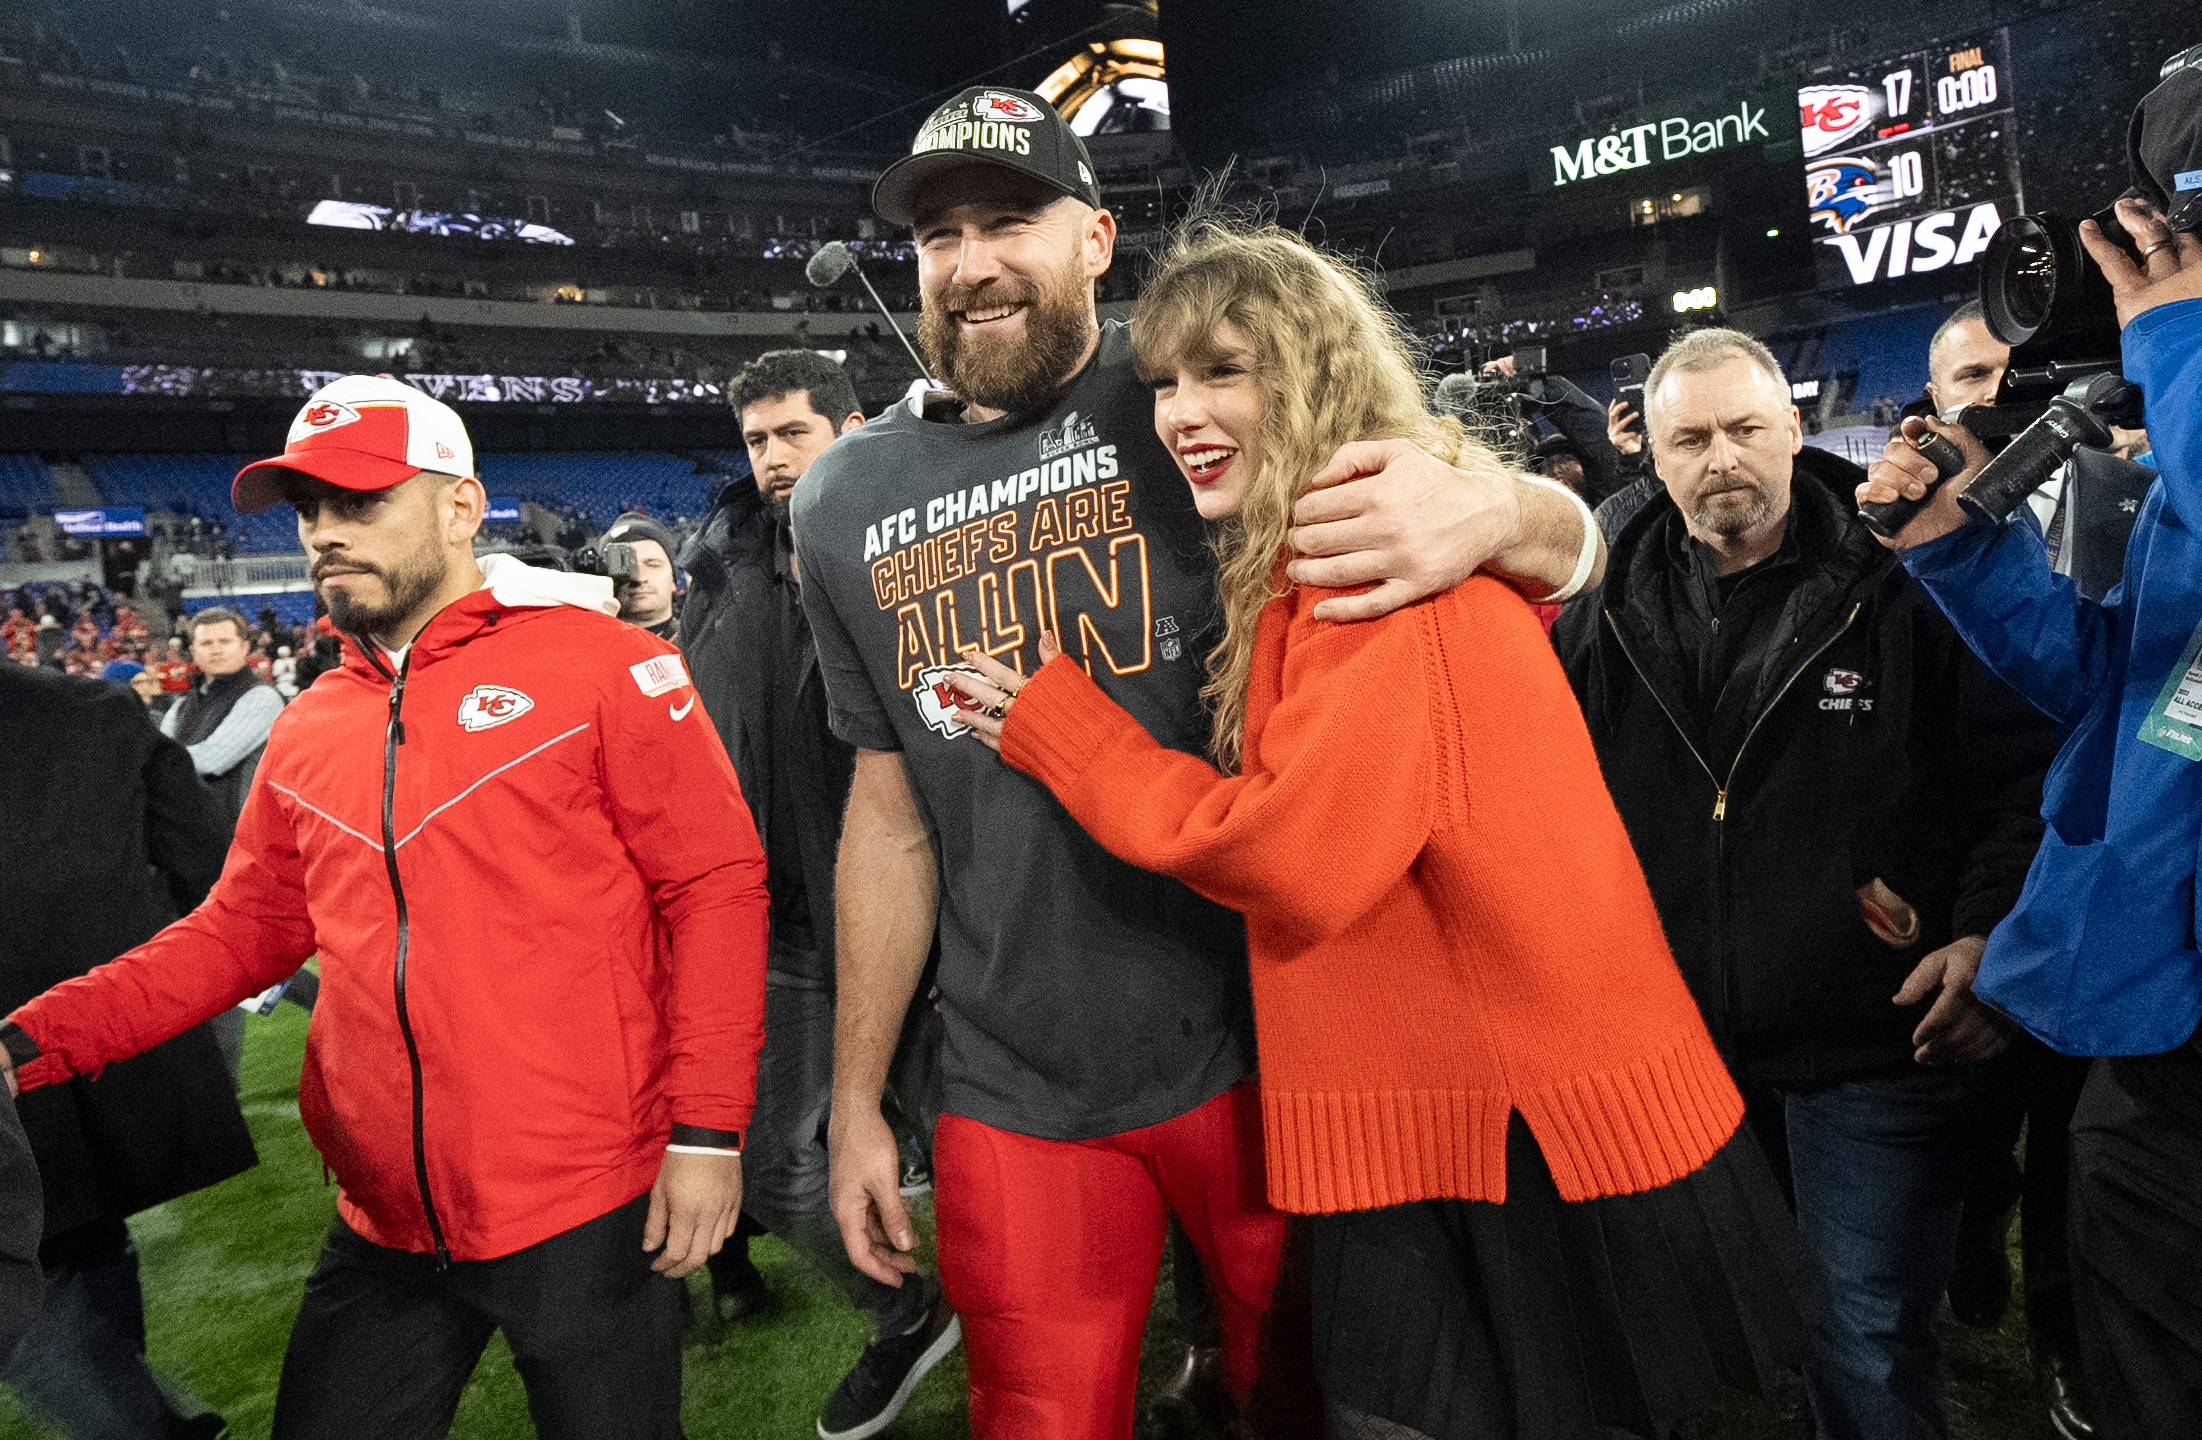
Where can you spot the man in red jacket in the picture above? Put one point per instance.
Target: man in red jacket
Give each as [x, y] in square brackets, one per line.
[520, 852]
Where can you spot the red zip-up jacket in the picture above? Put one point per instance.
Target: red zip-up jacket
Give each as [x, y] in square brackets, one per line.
[539, 904]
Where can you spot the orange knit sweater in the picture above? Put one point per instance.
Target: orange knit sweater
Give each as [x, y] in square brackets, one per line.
[1444, 917]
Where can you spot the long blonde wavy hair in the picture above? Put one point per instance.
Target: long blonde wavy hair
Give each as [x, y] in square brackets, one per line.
[1333, 365]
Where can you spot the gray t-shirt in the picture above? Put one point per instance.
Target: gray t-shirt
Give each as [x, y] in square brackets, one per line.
[1083, 996]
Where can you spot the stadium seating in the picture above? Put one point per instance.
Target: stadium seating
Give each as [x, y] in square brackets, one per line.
[191, 485]
[603, 484]
[25, 487]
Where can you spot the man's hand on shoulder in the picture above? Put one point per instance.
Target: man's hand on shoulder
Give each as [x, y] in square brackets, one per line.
[1388, 513]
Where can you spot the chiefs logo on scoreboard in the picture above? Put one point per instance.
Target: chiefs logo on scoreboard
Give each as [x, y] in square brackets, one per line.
[1831, 114]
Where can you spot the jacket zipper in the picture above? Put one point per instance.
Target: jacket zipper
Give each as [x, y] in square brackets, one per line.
[1722, 787]
[393, 737]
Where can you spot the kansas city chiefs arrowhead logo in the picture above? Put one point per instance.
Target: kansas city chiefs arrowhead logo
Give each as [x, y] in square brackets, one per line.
[327, 415]
[994, 105]
[1842, 682]
[488, 706]
[939, 702]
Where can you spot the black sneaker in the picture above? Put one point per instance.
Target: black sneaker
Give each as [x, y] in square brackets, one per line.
[738, 1289]
[872, 1394]
[207, 1426]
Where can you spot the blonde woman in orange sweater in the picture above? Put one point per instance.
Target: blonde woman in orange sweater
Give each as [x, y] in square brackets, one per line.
[1480, 1070]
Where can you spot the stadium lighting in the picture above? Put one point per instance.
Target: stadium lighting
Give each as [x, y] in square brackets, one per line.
[1704, 297]
[1774, 234]
[36, 256]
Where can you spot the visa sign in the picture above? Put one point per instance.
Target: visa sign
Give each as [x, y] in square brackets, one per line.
[1913, 247]
[1641, 145]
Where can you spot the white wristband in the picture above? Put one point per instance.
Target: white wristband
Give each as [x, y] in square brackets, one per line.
[701, 1150]
[1587, 560]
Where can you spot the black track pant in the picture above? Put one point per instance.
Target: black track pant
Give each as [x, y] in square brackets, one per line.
[385, 1342]
[2137, 1243]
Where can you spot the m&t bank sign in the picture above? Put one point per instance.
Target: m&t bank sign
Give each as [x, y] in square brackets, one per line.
[1641, 146]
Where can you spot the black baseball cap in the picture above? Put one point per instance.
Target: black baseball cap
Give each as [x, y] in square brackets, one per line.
[2164, 143]
[988, 125]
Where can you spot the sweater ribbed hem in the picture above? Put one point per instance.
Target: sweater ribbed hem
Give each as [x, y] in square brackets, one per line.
[1616, 1132]
[1059, 722]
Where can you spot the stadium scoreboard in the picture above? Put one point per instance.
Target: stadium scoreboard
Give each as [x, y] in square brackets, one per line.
[1911, 165]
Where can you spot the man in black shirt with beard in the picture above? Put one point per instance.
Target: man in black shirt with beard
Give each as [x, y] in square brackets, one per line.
[1099, 1041]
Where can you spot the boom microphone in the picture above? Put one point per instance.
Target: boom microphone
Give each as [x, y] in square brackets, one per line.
[834, 260]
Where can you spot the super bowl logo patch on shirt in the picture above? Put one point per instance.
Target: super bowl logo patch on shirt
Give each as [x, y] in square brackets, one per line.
[487, 706]
[658, 674]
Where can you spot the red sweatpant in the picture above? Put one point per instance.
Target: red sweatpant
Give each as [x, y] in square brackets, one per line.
[1049, 1251]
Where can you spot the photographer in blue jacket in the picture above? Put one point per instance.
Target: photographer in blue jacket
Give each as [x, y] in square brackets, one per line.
[2100, 957]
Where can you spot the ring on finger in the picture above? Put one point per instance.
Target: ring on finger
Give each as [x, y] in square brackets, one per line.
[2148, 250]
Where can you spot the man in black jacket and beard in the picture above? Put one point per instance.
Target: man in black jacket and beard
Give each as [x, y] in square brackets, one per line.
[109, 836]
[1834, 804]
[750, 653]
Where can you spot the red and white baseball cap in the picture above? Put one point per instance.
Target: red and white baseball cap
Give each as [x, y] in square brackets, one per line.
[363, 432]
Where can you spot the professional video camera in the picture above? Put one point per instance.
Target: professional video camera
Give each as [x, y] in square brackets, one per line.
[613, 560]
[1499, 408]
[2042, 295]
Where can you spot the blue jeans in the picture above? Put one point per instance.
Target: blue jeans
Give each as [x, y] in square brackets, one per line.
[82, 1367]
[1876, 1171]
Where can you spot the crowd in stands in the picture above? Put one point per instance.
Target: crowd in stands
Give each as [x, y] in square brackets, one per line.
[84, 629]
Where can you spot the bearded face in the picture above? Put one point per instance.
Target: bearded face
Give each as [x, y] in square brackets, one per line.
[1008, 344]
[1005, 277]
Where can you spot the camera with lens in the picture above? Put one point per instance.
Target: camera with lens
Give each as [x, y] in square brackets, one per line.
[2045, 297]
[1499, 407]
[613, 560]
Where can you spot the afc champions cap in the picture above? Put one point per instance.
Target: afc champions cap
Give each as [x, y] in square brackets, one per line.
[988, 125]
[363, 432]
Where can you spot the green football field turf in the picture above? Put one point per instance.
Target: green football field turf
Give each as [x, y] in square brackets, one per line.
[223, 1270]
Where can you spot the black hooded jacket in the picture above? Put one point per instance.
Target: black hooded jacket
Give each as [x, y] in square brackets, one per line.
[750, 654]
[1774, 747]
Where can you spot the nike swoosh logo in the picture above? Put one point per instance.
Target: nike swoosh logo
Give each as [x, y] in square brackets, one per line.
[680, 712]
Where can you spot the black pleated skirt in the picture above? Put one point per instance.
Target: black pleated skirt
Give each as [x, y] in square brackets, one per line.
[1543, 1320]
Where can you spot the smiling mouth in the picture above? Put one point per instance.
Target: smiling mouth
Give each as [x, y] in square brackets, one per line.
[1208, 463]
[988, 315]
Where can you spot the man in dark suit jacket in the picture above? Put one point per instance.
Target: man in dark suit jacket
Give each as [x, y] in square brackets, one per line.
[110, 836]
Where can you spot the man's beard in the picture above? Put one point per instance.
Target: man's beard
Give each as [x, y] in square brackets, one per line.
[1731, 521]
[407, 587]
[1019, 377]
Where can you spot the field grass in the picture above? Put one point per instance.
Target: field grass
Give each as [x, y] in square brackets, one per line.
[223, 1271]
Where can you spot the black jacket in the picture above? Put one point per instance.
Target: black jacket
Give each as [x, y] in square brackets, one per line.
[1770, 755]
[755, 667]
[109, 835]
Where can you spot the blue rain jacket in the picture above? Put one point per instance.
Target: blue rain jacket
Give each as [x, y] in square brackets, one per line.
[2099, 957]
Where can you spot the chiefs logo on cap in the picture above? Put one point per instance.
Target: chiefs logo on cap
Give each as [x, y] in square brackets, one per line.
[995, 105]
[328, 414]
